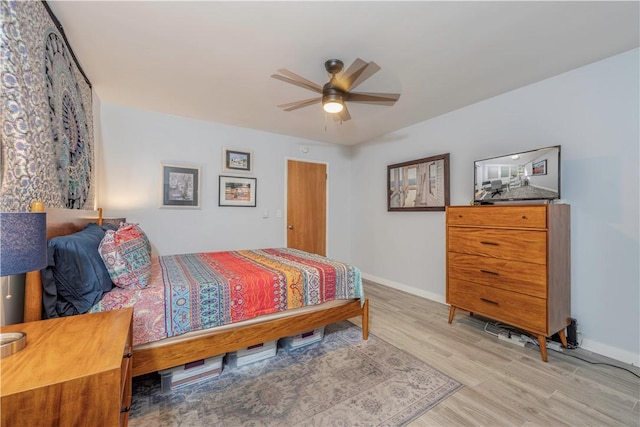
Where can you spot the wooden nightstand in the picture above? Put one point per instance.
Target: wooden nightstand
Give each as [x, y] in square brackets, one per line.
[74, 371]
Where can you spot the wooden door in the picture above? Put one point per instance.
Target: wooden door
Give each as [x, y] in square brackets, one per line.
[306, 206]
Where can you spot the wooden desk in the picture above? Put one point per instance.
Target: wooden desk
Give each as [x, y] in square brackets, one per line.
[73, 371]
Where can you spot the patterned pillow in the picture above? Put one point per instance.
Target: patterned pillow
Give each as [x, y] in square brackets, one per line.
[126, 253]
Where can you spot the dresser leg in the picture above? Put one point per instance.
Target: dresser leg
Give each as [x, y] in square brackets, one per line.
[452, 311]
[542, 340]
[563, 338]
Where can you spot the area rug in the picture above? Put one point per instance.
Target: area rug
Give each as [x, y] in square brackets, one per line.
[341, 380]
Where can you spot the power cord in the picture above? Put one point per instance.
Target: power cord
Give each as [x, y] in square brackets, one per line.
[573, 347]
[602, 363]
[486, 329]
[531, 340]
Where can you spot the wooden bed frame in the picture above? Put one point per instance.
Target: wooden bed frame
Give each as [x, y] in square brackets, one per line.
[61, 222]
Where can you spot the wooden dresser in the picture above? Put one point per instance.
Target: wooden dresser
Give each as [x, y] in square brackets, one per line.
[512, 264]
[74, 371]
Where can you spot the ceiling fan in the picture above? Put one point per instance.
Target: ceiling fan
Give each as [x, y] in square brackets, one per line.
[338, 90]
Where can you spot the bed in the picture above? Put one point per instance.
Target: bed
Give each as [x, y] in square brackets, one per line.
[205, 343]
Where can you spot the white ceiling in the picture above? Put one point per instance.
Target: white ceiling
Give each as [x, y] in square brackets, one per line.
[212, 60]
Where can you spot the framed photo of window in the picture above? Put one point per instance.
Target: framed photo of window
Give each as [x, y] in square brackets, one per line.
[180, 186]
[419, 185]
[237, 161]
[237, 191]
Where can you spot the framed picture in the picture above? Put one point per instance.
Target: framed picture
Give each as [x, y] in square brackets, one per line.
[539, 168]
[180, 186]
[237, 161]
[237, 191]
[419, 185]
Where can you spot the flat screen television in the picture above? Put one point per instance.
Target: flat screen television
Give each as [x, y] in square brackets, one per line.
[527, 175]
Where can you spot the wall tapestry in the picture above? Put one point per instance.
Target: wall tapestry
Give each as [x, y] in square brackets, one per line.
[47, 121]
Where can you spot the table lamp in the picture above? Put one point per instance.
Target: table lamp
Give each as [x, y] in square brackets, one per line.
[23, 248]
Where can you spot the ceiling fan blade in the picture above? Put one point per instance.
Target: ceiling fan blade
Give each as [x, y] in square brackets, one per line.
[342, 116]
[299, 104]
[368, 71]
[313, 87]
[373, 98]
[299, 78]
[345, 81]
[360, 74]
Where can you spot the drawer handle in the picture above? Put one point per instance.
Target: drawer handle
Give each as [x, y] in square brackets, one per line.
[126, 409]
[490, 243]
[489, 301]
[490, 272]
[524, 217]
[128, 356]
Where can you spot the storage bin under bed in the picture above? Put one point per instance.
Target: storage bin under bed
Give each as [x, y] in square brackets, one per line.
[190, 373]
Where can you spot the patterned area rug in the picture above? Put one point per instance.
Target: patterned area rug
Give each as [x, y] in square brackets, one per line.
[341, 380]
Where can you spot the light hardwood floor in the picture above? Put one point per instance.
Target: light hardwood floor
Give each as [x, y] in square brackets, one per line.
[504, 384]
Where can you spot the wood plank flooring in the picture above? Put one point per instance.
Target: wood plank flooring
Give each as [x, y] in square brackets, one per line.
[504, 384]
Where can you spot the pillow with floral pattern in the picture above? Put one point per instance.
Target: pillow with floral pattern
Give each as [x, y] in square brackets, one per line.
[126, 253]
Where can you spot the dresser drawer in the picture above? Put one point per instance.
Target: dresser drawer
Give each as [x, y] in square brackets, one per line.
[127, 356]
[516, 245]
[126, 370]
[522, 311]
[498, 216]
[523, 277]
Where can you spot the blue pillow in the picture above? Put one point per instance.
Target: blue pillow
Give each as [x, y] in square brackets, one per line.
[76, 277]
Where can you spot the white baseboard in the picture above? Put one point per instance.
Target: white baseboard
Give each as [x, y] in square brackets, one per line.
[612, 352]
[404, 288]
[590, 345]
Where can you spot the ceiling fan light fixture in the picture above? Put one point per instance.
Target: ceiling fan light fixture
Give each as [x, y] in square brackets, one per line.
[332, 101]
[333, 106]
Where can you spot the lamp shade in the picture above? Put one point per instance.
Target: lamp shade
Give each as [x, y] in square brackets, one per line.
[23, 242]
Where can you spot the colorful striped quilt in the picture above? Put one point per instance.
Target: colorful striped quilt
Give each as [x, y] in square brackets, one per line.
[199, 291]
[211, 289]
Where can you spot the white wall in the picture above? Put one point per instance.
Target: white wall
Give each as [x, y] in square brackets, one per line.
[593, 113]
[134, 143]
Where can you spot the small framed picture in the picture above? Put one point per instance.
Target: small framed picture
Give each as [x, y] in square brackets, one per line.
[539, 168]
[180, 186]
[237, 191]
[237, 161]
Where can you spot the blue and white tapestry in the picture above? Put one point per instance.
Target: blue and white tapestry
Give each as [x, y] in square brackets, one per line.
[47, 121]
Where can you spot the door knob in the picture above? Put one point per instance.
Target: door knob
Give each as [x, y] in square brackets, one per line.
[290, 227]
